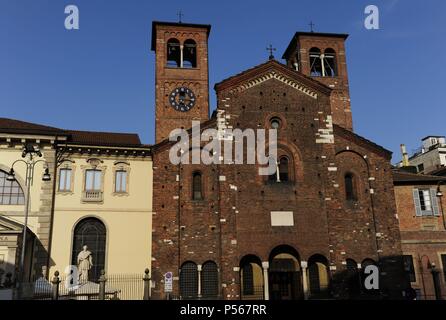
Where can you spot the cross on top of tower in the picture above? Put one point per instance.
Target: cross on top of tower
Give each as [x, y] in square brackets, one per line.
[311, 24]
[271, 50]
[180, 16]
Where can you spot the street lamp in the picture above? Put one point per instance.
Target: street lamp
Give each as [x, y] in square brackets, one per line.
[440, 196]
[29, 152]
[436, 281]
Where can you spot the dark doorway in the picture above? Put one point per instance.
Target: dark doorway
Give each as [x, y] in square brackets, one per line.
[319, 277]
[251, 278]
[353, 279]
[285, 278]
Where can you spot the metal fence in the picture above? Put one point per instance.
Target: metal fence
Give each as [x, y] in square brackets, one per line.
[108, 287]
[253, 293]
[429, 285]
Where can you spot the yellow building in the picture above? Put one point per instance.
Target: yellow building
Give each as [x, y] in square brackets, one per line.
[100, 195]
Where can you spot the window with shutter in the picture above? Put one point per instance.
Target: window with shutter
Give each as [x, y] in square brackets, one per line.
[416, 199]
[435, 202]
[425, 202]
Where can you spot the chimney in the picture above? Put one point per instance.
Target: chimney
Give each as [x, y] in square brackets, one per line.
[405, 156]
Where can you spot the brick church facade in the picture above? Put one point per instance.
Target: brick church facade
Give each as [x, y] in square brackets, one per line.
[307, 231]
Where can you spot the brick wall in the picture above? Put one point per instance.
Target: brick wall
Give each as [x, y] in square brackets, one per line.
[238, 202]
[424, 238]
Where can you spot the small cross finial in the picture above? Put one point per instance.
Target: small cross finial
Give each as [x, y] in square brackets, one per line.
[271, 50]
[180, 16]
[311, 26]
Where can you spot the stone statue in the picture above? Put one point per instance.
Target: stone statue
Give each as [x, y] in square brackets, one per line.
[84, 264]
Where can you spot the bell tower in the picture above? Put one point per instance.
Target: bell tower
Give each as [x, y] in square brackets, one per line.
[182, 79]
[322, 57]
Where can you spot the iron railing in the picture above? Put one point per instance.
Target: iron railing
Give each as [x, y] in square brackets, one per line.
[108, 287]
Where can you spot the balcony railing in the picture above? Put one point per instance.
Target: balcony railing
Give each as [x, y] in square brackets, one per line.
[92, 196]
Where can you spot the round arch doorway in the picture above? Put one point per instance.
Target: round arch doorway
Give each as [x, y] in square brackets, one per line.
[285, 276]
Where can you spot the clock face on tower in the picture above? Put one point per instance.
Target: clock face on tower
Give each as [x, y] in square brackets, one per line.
[182, 99]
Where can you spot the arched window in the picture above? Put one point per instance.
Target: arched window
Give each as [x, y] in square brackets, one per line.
[251, 278]
[90, 232]
[318, 276]
[190, 54]
[284, 169]
[10, 191]
[323, 65]
[275, 123]
[209, 280]
[189, 280]
[330, 63]
[350, 187]
[315, 62]
[173, 53]
[197, 186]
[248, 280]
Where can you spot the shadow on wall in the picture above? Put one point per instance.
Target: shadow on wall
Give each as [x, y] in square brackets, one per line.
[40, 263]
[6, 277]
[392, 283]
[7, 281]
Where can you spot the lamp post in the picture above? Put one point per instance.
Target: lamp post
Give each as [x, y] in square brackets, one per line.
[435, 279]
[29, 154]
[440, 197]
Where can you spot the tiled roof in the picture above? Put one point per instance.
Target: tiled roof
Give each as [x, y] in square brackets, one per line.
[400, 176]
[175, 24]
[266, 66]
[338, 130]
[438, 172]
[310, 34]
[73, 136]
[17, 126]
[103, 138]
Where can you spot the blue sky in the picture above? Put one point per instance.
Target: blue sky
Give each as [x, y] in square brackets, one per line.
[101, 77]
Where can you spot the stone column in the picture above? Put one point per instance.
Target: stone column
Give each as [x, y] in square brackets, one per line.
[265, 266]
[199, 268]
[304, 266]
[181, 56]
[42, 244]
[360, 278]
